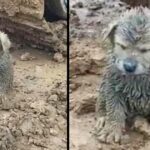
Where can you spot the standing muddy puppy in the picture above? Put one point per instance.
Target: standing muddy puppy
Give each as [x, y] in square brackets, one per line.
[6, 70]
[125, 88]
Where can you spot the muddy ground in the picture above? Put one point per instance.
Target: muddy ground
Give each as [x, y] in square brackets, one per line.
[87, 63]
[35, 118]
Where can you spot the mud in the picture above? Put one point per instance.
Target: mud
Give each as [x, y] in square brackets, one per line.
[97, 14]
[87, 47]
[25, 22]
[35, 7]
[36, 118]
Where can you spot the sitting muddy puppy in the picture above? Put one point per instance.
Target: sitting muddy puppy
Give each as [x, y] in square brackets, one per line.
[6, 70]
[125, 88]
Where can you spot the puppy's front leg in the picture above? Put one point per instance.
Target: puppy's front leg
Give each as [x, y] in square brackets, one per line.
[115, 123]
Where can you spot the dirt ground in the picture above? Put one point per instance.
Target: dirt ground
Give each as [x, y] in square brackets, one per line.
[36, 114]
[87, 63]
[35, 118]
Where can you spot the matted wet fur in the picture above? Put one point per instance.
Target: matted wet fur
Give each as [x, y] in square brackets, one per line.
[125, 88]
[6, 70]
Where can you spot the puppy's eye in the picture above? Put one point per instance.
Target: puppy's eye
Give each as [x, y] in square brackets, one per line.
[143, 50]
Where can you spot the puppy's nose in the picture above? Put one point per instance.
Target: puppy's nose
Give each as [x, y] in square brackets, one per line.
[130, 65]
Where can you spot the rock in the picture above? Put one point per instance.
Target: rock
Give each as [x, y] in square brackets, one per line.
[90, 59]
[53, 132]
[53, 97]
[98, 61]
[26, 57]
[86, 104]
[96, 7]
[79, 66]
[60, 90]
[58, 57]
[78, 5]
[97, 56]
[59, 29]
[76, 20]
[43, 108]
[74, 86]
[73, 12]
[26, 126]
[142, 125]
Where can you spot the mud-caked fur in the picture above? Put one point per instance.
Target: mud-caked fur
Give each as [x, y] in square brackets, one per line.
[123, 95]
[6, 68]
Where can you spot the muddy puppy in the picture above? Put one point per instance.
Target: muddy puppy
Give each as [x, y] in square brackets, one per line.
[6, 70]
[125, 88]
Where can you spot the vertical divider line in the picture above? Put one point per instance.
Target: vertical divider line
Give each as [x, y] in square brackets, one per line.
[68, 41]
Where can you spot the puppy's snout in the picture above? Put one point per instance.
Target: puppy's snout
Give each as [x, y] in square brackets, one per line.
[130, 65]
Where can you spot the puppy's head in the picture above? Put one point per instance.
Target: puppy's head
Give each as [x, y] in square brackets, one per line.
[130, 37]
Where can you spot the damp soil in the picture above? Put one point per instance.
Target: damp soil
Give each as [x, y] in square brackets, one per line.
[36, 118]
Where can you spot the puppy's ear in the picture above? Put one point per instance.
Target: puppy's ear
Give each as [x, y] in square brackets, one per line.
[109, 32]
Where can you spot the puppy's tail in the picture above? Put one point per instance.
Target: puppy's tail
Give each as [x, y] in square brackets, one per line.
[5, 43]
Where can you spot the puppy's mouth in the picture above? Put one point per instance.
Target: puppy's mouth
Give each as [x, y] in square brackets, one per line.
[137, 72]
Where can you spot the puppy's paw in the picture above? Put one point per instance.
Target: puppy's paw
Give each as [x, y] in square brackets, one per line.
[112, 133]
[6, 104]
